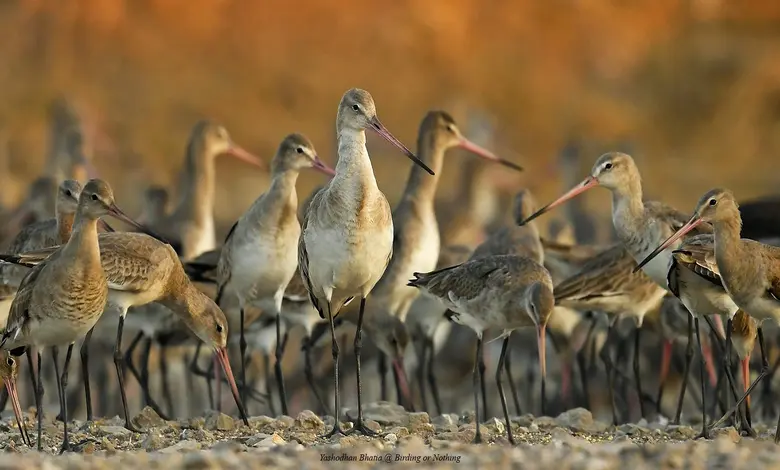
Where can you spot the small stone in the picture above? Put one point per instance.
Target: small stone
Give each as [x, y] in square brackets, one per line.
[681, 432]
[148, 418]
[253, 440]
[391, 438]
[260, 421]
[186, 445]
[117, 431]
[439, 444]
[418, 420]
[445, 420]
[372, 425]
[196, 423]
[545, 422]
[580, 419]
[533, 427]
[153, 441]
[728, 433]
[309, 421]
[216, 421]
[399, 431]
[284, 422]
[384, 413]
[498, 425]
[88, 448]
[271, 441]
[524, 420]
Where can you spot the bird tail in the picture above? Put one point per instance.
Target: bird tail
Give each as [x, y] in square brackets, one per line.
[17, 260]
[421, 279]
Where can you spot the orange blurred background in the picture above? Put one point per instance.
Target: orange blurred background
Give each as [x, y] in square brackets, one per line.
[693, 86]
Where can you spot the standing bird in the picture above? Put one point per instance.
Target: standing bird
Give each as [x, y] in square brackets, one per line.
[155, 206]
[642, 225]
[259, 257]
[190, 227]
[60, 300]
[347, 237]
[506, 292]
[749, 270]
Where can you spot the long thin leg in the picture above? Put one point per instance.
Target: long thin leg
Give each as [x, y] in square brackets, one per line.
[54, 353]
[482, 368]
[145, 385]
[512, 387]
[281, 342]
[381, 366]
[421, 363]
[432, 376]
[477, 387]
[637, 375]
[31, 372]
[84, 353]
[337, 398]
[166, 386]
[609, 367]
[39, 400]
[120, 366]
[242, 346]
[768, 408]
[703, 377]
[583, 366]
[666, 358]
[764, 372]
[63, 379]
[360, 426]
[500, 385]
[268, 381]
[688, 359]
[309, 373]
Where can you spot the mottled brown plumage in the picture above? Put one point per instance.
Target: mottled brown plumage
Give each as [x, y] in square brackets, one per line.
[521, 240]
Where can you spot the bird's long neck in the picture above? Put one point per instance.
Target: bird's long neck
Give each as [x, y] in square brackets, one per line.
[65, 221]
[627, 206]
[421, 186]
[83, 241]
[281, 198]
[353, 171]
[728, 244]
[197, 196]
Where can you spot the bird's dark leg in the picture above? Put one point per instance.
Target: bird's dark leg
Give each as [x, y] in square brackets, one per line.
[63, 379]
[166, 386]
[195, 369]
[637, 374]
[432, 376]
[688, 359]
[268, 382]
[242, 346]
[281, 343]
[505, 408]
[604, 354]
[421, 363]
[768, 408]
[39, 400]
[477, 388]
[381, 366]
[703, 377]
[360, 425]
[337, 399]
[583, 366]
[54, 354]
[84, 353]
[482, 368]
[512, 387]
[309, 373]
[120, 368]
[145, 385]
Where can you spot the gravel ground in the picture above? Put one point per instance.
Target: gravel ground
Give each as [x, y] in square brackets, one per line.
[572, 440]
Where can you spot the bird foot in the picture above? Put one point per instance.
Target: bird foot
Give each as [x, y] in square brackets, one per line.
[360, 426]
[132, 427]
[477, 439]
[704, 434]
[77, 447]
[336, 430]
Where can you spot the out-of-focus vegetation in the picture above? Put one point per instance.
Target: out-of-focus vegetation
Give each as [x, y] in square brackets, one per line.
[693, 85]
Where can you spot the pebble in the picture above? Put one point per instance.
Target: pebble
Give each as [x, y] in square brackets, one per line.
[216, 421]
[580, 419]
[309, 421]
[153, 441]
[182, 446]
[391, 438]
[148, 418]
[116, 431]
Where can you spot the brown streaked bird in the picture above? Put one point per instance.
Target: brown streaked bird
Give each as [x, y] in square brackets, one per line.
[608, 284]
[749, 270]
[140, 270]
[259, 256]
[416, 241]
[61, 299]
[426, 323]
[643, 225]
[9, 371]
[347, 234]
[505, 292]
[190, 227]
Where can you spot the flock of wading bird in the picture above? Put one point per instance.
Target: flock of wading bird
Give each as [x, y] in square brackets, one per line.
[349, 251]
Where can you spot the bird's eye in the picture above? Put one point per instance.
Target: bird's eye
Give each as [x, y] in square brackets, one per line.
[608, 166]
[94, 197]
[713, 202]
[450, 129]
[10, 361]
[355, 107]
[299, 150]
[219, 328]
[68, 193]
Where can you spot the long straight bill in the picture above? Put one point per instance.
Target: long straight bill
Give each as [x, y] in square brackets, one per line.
[690, 225]
[587, 183]
[222, 357]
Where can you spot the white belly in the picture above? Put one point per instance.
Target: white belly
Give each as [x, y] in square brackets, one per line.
[261, 270]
